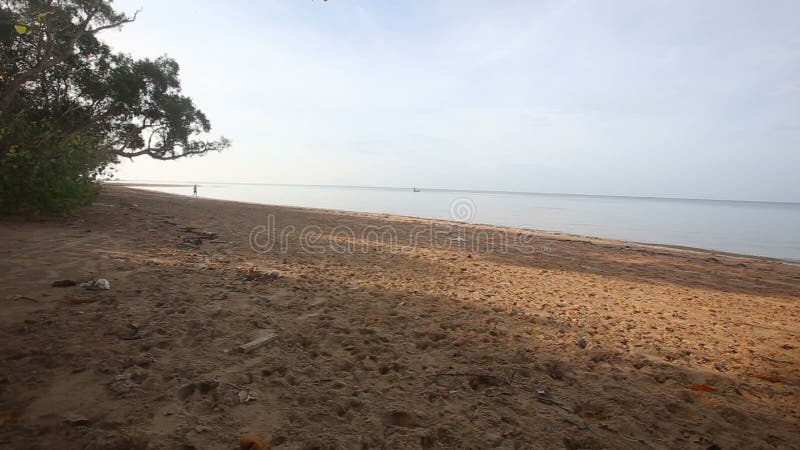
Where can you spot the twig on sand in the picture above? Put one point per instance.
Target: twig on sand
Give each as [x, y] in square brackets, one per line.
[549, 401]
[258, 343]
[491, 394]
[131, 338]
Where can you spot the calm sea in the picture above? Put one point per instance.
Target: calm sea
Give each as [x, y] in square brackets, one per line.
[751, 228]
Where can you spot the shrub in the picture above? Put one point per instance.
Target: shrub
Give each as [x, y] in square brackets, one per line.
[45, 169]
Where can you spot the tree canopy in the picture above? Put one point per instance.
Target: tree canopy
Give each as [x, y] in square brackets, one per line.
[55, 72]
[59, 69]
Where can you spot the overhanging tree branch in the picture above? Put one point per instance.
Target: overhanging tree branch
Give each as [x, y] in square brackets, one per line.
[52, 58]
[128, 107]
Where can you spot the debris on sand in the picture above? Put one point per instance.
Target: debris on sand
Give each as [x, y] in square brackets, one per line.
[5, 417]
[75, 300]
[100, 284]
[701, 387]
[245, 397]
[76, 420]
[252, 443]
[206, 235]
[192, 240]
[192, 243]
[257, 275]
[64, 283]
[210, 235]
[258, 343]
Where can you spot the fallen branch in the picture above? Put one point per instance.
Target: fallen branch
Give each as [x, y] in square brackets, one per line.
[258, 343]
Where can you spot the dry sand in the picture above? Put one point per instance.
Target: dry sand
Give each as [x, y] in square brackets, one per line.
[581, 344]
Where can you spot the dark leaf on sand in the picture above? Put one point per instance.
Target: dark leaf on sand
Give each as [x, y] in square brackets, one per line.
[252, 443]
[701, 387]
[75, 300]
[5, 417]
[76, 419]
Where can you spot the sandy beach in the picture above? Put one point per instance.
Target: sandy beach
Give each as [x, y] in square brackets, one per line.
[449, 337]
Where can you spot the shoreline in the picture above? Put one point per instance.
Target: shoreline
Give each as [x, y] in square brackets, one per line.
[201, 340]
[465, 191]
[652, 246]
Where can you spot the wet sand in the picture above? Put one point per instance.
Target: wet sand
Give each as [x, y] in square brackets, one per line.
[542, 341]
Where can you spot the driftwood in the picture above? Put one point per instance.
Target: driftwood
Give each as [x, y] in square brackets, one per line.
[258, 343]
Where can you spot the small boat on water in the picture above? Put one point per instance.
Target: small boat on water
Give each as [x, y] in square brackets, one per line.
[416, 189]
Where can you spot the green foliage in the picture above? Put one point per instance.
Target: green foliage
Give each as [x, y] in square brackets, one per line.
[70, 106]
[44, 169]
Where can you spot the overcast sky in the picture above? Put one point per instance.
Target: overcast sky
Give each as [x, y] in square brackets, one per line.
[664, 98]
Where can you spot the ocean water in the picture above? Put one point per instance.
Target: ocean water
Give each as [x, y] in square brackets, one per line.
[749, 228]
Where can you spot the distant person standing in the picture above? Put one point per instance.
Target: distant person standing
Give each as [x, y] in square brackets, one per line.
[195, 191]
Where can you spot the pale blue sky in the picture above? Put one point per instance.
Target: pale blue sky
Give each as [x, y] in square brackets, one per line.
[665, 98]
